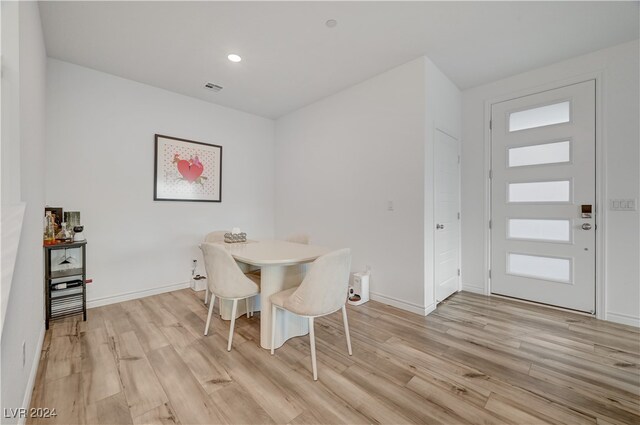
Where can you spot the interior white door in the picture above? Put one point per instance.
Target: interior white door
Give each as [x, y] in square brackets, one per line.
[543, 197]
[447, 215]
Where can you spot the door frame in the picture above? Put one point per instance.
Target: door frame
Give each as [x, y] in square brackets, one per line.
[600, 183]
[449, 133]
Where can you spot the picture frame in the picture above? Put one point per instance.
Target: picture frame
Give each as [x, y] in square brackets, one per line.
[186, 170]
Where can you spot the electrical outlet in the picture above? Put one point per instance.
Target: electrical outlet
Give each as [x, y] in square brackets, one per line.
[24, 353]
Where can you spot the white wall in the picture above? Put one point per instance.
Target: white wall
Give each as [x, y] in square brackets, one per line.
[444, 113]
[340, 161]
[24, 320]
[100, 159]
[620, 138]
[10, 103]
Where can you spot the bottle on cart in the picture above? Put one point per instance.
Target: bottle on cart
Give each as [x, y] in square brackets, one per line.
[64, 235]
[49, 229]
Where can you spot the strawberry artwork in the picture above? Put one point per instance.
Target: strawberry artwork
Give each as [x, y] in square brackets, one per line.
[190, 170]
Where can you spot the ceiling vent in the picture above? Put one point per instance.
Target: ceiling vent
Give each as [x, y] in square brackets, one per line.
[213, 87]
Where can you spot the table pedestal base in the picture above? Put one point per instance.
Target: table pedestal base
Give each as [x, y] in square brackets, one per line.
[288, 325]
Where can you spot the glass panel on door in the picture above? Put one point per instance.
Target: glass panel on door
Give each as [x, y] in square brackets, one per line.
[554, 191]
[547, 153]
[548, 268]
[556, 113]
[540, 230]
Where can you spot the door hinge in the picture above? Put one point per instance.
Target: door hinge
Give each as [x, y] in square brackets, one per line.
[489, 273]
[458, 216]
[490, 174]
[490, 124]
[489, 224]
[458, 272]
[458, 159]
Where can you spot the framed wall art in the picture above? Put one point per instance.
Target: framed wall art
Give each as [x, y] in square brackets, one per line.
[186, 170]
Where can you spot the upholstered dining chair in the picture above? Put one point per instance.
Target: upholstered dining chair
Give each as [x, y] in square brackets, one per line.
[299, 238]
[323, 291]
[227, 282]
[213, 237]
[217, 236]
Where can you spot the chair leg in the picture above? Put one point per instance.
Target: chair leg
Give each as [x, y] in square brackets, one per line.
[346, 328]
[206, 295]
[246, 301]
[312, 339]
[274, 311]
[234, 310]
[206, 328]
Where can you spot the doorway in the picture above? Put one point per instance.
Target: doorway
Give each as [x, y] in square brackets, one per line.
[543, 235]
[446, 215]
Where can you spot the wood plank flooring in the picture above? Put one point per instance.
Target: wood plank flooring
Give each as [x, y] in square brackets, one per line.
[475, 360]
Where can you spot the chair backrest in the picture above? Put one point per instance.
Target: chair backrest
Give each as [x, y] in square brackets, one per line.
[324, 288]
[224, 277]
[299, 238]
[217, 236]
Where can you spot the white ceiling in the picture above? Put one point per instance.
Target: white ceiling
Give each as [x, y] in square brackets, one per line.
[290, 58]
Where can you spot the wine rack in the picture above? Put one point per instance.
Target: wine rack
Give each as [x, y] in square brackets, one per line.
[65, 280]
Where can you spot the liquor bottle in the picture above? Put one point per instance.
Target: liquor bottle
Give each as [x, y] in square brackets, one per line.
[49, 229]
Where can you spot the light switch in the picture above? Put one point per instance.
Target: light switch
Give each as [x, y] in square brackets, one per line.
[622, 204]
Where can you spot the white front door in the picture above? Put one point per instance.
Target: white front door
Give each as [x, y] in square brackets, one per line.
[543, 197]
[447, 215]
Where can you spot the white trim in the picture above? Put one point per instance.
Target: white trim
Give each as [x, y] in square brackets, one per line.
[487, 174]
[97, 302]
[26, 401]
[600, 183]
[402, 305]
[624, 319]
[600, 207]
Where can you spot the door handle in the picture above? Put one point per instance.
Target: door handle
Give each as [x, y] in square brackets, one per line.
[439, 226]
[586, 226]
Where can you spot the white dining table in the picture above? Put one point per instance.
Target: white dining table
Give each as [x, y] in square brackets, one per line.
[283, 265]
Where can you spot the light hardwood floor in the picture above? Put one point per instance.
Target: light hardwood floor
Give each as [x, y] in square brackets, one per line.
[474, 360]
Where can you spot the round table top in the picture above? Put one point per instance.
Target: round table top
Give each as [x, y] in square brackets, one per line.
[274, 252]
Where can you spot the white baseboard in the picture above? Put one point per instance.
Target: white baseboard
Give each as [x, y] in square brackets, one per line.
[97, 302]
[473, 288]
[26, 401]
[624, 319]
[428, 309]
[403, 305]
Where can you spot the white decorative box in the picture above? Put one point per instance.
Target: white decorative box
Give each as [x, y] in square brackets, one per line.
[359, 288]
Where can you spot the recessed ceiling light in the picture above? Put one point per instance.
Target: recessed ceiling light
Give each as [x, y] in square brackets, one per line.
[331, 23]
[234, 58]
